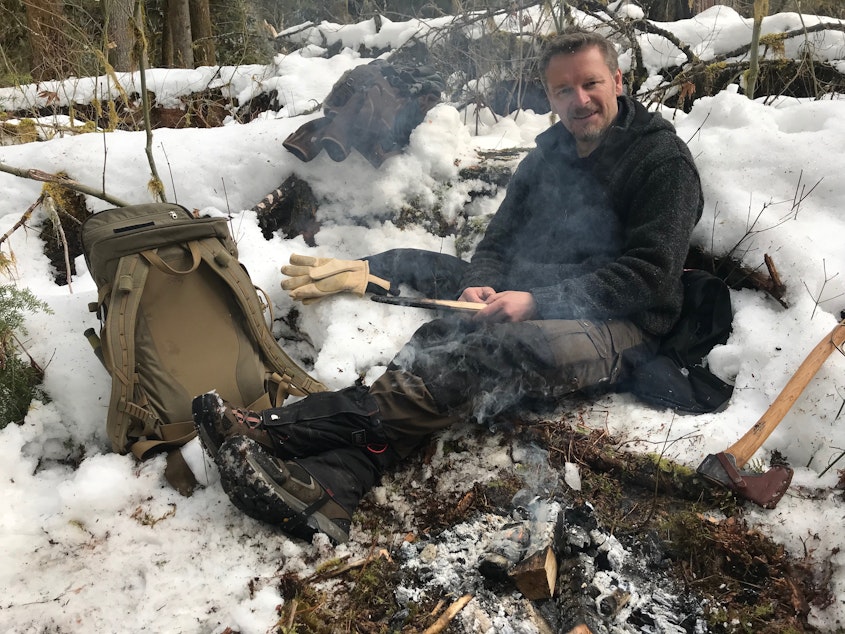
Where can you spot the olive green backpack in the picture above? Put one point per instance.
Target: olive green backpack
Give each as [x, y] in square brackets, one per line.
[179, 316]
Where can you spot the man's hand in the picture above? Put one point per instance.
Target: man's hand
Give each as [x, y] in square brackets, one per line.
[501, 307]
[477, 294]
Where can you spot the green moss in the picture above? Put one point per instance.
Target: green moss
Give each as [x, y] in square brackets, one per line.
[671, 468]
[67, 200]
[774, 41]
[23, 131]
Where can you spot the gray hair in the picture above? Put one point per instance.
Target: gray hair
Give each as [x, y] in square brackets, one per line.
[573, 41]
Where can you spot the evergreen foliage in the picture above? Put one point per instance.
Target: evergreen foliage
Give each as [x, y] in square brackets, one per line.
[19, 380]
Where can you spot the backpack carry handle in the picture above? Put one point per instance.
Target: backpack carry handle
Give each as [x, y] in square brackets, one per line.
[153, 258]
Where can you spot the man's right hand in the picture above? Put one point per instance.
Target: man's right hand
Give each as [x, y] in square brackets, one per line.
[505, 306]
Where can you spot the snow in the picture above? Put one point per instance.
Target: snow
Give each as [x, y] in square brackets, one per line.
[108, 546]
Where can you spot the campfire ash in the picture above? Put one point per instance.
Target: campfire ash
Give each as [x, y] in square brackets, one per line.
[578, 577]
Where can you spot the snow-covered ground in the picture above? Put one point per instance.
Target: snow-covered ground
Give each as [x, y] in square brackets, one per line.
[108, 546]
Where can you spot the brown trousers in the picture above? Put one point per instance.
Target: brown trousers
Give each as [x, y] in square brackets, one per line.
[454, 370]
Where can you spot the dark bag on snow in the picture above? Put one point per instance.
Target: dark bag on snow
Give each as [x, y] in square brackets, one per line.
[179, 316]
[676, 378]
[372, 108]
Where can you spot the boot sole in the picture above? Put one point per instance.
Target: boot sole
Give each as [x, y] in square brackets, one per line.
[249, 477]
[201, 409]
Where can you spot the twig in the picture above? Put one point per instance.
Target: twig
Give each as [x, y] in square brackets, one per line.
[828, 467]
[24, 218]
[351, 565]
[46, 177]
[808, 53]
[50, 206]
[798, 199]
[450, 613]
[32, 362]
[292, 614]
[170, 171]
[818, 298]
[156, 185]
[656, 491]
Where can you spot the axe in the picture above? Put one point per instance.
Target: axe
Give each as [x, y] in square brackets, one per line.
[766, 489]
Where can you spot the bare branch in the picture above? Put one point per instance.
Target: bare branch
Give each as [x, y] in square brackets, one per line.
[46, 177]
[24, 218]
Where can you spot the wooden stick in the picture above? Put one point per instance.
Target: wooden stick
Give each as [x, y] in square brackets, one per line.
[450, 613]
[773, 273]
[346, 567]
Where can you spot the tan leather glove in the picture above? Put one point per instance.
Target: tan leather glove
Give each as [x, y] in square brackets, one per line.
[312, 279]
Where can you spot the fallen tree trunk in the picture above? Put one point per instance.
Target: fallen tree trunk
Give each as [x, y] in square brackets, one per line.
[600, 452]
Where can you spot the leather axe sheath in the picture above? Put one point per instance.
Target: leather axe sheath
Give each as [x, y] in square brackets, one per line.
[766, 489]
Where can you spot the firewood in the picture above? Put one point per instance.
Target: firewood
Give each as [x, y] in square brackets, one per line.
[535, 575]
[450, 613]
[778, 288]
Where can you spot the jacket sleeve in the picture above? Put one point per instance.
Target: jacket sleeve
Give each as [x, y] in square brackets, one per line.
[665, 204]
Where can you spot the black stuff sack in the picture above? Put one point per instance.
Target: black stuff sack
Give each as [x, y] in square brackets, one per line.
[676, 377]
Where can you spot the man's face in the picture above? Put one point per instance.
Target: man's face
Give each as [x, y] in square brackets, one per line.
[582, 92]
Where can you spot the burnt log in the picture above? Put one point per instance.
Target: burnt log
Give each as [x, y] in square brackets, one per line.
[290, 208]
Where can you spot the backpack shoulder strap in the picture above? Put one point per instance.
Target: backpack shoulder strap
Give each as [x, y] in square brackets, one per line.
[290, 377]
[119, 356]
[127, 402]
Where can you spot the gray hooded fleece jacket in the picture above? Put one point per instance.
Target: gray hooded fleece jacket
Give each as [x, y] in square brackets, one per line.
[603, 237]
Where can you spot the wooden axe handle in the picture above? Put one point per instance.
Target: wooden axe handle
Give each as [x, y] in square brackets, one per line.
[753, 439]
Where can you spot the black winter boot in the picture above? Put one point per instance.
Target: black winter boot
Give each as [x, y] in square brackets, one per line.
[279, 492]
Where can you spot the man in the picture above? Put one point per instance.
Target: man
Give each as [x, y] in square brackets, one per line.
[580, 271]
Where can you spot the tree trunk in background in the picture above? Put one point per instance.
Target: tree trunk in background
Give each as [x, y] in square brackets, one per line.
[52, 55]
[166, 49]
[121, 37]
[203, 38]
[179, 23]
[667, 10]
